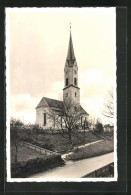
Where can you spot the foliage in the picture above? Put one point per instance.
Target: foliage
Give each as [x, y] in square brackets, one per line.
[59, 142]
[32, 166]
[15, 123]
[99, 127]
[35, 132]
[15, 126]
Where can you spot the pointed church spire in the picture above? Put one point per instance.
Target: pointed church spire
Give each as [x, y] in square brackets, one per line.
[70, 54]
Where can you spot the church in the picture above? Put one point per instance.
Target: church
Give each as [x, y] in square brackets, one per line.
[71, 90]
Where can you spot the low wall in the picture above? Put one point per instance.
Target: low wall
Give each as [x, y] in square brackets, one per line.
[39, 149]
[32, 166]
[101, 171]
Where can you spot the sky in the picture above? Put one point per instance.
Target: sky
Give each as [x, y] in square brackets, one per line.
[36, 48]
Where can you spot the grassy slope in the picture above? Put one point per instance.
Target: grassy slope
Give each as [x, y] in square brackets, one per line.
[60, 143]
[103, 147]
[25, 153]
[54, 142]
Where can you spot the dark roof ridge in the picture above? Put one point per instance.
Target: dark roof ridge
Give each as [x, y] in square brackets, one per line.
[53, 103]
[52, 99]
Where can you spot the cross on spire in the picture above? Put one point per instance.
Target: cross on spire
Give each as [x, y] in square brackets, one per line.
[70, 25]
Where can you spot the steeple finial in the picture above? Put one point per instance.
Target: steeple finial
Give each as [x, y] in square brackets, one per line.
[70, 26]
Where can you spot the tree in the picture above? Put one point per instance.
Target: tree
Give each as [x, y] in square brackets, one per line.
[99, 127]
[35, 132]
[67, 117]
[15, 126]
[91, 122]
[109, 105]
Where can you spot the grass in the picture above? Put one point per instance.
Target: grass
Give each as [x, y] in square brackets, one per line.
[100, 148]
[60, 144]
[54, 142]
[25, 153]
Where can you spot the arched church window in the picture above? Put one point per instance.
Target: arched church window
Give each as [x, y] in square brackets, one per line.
[75, 81]
[75, 94]
[66, 81]
[44, 119]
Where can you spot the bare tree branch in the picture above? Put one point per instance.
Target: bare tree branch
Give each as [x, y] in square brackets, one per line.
[15, 126]
[67, 117]
[108, 110]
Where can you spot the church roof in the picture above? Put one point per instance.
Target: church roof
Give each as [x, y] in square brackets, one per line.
[52, 103]
[70, 54]
[49, 102]
[82, 109]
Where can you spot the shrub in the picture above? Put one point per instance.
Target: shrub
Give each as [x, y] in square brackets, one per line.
[32, 166]
[99, 128]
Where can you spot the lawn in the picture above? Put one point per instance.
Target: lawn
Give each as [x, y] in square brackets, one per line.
[100, 148]
[54, 142]
[58, 143]
[25, 153]
[31, 161]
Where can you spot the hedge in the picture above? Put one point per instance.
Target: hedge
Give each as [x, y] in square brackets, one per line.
[32, 166]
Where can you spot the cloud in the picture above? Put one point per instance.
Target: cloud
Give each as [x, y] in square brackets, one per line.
[94, 85]
[94, 82]
[56, 90]
[23, 107]
[94, 107]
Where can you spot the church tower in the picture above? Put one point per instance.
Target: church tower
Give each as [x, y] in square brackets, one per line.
[71, 89]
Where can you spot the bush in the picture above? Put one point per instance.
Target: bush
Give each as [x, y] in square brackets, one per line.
[47, 146]
[32, 166]
[99, 128]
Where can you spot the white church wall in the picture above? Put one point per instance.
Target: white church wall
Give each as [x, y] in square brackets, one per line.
[40, 118]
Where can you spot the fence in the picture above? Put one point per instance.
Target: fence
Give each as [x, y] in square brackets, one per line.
[39, 149]
[103, 170]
